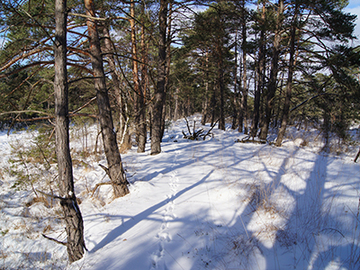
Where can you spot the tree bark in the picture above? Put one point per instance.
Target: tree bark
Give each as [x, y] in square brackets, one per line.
[159, 100]
[206, 82]
[177, 104]
[123, 115]
[243, 121]
[220, 79]
[138, 95]
[73, 218]
[236, 95]
[273, 73]
[142, 133]
[115, 169]
[286, 109]
[222, 90]
[261, 77]
[168, 63]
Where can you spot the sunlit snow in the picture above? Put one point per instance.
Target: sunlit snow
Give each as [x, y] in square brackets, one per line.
[213, 204]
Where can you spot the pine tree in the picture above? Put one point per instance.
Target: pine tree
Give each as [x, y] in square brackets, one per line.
[73, 219]
[115, 169]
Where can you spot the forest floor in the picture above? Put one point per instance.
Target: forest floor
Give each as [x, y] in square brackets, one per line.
[207, 204]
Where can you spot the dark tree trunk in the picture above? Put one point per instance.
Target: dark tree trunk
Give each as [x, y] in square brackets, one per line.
[143, 86]
[236, 95]
[278, 107]
[73, 219]
[273, 73]
[168, 63]
[115, 169]
[159, 100]
[123, 117]
[221, 86]
[243, 120]
[206, 99]
[222, 90]
[213, 105]
[139, 107]
[177, 105]
[286, 109]
[261, 77]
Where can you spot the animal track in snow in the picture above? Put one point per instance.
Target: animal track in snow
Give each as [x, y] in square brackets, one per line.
[163, 235]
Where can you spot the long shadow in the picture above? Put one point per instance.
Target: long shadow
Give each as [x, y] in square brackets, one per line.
[305, 221]
[300, 226]
[116, 232]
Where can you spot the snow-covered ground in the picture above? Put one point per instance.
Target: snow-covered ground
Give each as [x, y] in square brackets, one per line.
[213, 204]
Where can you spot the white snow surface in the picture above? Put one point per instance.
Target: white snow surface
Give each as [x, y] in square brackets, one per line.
[213, 204]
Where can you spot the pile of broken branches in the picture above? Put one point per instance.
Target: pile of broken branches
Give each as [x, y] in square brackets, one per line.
[196, 135]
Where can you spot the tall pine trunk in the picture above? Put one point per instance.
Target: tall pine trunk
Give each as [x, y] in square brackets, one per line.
[123, 115]
[138, 95]
[243, 120]
[260, 74]
[221, 87]
[73, 219]
[115, 169]
[205, 105]
[159, 100]
[236, 95]
[286, 109]
[142, 133]
[168, 63]
[273, 72]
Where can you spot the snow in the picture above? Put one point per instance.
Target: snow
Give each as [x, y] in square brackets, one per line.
[213, 204]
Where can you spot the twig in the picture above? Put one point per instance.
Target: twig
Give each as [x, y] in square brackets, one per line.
[52, 196]
[187, 124]
[211, 128]
[98, 185]
[332, 229]
[105, 169]
[83, 106]
[55, 240]
[97, 18]
[357, 156]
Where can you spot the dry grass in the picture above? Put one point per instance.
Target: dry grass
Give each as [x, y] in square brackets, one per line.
[125, 147]
[40, 199]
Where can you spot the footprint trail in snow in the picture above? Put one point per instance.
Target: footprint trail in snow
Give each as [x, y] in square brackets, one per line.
[163, 234]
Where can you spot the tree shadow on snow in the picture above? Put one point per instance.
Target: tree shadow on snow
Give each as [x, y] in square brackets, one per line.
[118, 231]
[309, 237]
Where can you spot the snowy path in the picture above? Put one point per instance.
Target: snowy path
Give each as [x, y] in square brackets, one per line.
[212, 204]
[164, 232]
[213, 208]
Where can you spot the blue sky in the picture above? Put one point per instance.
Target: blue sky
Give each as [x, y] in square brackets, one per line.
[354, 8]
[354, 3]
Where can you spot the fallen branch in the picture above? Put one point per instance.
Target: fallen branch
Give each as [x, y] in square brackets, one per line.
[197, 134]
[249, 139]
[211, 128]
[187, 124]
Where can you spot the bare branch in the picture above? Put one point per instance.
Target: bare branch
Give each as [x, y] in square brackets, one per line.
[55, 240]
[23, 56]
[25, 111]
